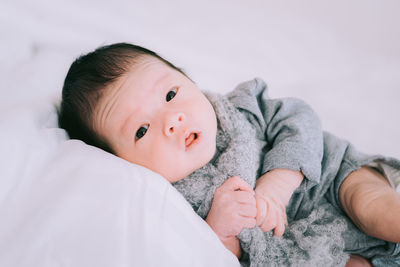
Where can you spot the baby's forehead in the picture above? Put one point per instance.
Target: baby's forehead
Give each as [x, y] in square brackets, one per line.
[151, 74]
[141, 80]
[147, 63]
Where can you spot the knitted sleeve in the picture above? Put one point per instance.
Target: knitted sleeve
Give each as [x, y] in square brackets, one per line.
[290, 127]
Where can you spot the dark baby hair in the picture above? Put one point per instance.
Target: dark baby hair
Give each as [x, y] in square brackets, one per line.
[86, 81]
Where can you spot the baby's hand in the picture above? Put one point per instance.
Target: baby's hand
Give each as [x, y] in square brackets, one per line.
[233, 208]
[271, 213]
[273, 192]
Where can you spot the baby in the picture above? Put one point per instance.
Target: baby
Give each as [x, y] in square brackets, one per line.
[246, 163]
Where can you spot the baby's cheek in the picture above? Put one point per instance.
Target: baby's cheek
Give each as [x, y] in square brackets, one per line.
[161, 161]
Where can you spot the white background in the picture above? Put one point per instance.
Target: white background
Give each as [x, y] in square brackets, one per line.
[342, 57]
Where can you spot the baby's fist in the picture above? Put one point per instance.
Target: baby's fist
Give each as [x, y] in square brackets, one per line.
[270, 214]
[233, 208]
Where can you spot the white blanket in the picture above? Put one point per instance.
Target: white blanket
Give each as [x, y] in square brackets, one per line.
[63, 203]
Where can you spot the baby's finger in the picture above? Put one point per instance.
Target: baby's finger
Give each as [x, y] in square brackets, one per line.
[285, 219]
[246, 210]
[283, 211]
[280, 226]
[245, 197]
[270, 221]
[236, 183]
[248, 222]
[261, 211]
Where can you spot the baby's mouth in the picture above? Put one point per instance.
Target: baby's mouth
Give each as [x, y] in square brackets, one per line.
[191, 139]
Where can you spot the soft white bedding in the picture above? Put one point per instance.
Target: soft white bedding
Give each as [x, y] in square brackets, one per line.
[63, 203]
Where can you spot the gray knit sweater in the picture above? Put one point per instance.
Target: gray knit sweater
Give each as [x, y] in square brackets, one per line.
[257, 134]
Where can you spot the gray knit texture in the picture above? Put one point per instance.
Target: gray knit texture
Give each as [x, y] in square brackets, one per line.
[312, 241]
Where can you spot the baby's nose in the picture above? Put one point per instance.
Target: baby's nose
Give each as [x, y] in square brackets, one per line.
[172, 122]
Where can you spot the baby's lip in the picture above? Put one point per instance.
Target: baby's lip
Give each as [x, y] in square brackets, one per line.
[191, 138]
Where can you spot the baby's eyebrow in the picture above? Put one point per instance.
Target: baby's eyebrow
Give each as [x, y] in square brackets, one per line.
[126, 123]
[161, 79]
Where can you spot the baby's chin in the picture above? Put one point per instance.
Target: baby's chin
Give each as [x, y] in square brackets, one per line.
[186, 173]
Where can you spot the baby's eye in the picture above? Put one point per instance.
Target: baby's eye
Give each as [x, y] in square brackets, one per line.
[141, 132]
[171, 94]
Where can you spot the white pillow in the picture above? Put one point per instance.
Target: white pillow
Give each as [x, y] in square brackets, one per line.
[64, 203]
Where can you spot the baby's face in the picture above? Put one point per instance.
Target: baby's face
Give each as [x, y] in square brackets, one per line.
[156, 117]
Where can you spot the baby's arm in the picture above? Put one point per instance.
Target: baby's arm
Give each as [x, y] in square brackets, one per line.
[294, 148]
[294, 133]
[296, 143]
[233, 208]
[290, 127]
